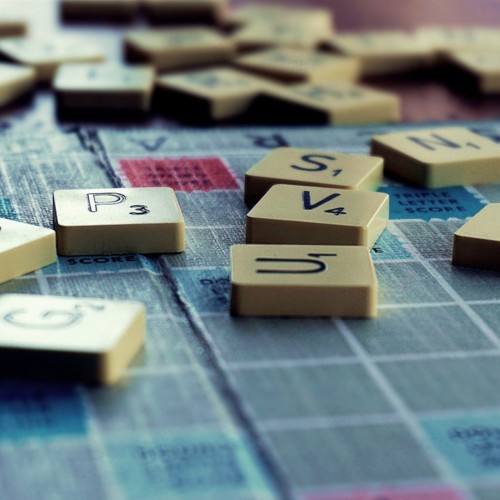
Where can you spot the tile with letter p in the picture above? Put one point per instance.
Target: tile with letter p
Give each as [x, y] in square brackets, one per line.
[300, 280]
[118, 221]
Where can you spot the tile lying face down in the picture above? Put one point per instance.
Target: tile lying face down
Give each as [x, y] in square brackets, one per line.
[300, 215]
[118, 220]
[312, 167]
[477, 242]
[69, 338]
[439, 157]
[24, 248]
[302, 280]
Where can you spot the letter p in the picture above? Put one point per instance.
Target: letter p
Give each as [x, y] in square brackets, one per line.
[96, 199]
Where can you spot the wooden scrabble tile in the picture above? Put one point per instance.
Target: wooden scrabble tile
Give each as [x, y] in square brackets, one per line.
[336, 103]
[12, 27]
[283, 33]
[312, 18]
[383, 52]
[301, 215]
[69, 338]
[174, 48]
[302, 280]
[15, 81]
[443, 40]
[214, 93]
[477, 242]
[45, 56]
[205, 11]
[290, 65]
[312, 167]
[439, 157]
[104, 86]
[97, 10]
[24, 248]
[483, 67]
[118, 220]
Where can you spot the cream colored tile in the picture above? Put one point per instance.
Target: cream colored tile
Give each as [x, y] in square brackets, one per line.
[300, 280]
[109, 10]
[383, 52]
[214, 93]
[104, 86]
[89, 340]
[176, 48]
[12, 27]
[312, 167]
[439, 157]
[312, 18]
[300, 65]
[46, 55]
[118, 220]
[15, 81]
[443, 40]
[336, 103]
[24, 248]
[212, 11]
[477, 242]
[301, 215]
[483, 67]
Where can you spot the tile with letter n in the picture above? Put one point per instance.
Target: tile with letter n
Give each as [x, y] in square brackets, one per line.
[192, 11]
[312, 167]
[437, 158]
[292, 65]
[335, 103]
[45, 55]
[477, 242]
[99, 10]
[383, 52]
[89, 340]
[118, 221]
[15, 81]
[175, 48]
[300, 215]
[302, 280]
[207, 94]
[24, 248]
[109, 87]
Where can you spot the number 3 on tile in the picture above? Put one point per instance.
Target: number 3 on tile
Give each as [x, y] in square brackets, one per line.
[139, 210]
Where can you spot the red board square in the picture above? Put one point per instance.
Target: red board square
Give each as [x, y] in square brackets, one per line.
[181, 174]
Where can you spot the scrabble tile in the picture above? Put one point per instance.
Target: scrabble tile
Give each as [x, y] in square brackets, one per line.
[15, 81]
[383, 52]
[213, 94]
[477, 242]
[104, 86]
[283, 33]
[46, 55]
[97, 10]
[336, 103]
[439, 157]
[118, 220]
[24, 248]
[443, 40]
[302, 215]
[290, 65]
[312, 167]
[210, 11]
[175, 48]
[482, 67]
[12, 27]
[312, 18]
[69, 338]
[302, 280]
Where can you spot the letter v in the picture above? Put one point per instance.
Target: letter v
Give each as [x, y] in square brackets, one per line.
[306, 198]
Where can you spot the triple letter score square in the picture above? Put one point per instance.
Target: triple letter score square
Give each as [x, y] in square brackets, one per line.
[301, 280]
[118, 220]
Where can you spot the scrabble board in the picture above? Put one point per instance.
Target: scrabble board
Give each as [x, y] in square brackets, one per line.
[401, 407]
